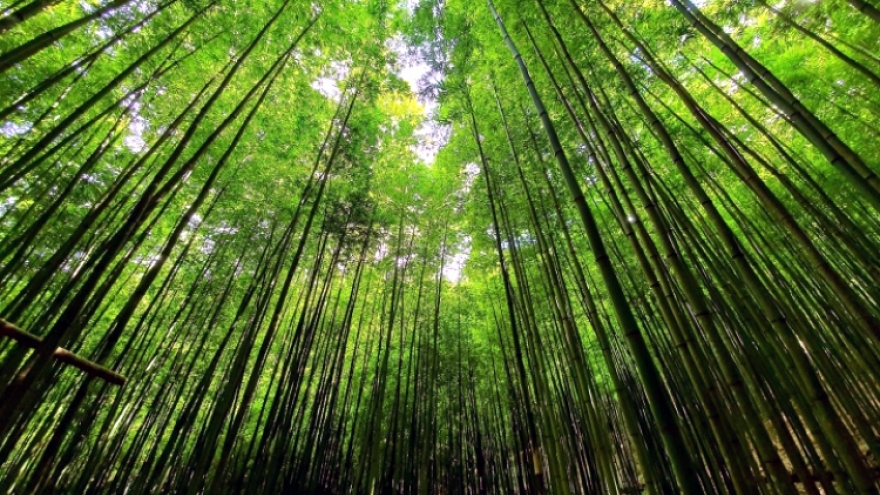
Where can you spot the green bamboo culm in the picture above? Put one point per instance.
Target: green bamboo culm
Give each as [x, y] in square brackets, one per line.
[438, 247]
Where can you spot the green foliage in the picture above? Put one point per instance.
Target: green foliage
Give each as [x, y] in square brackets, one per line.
[250, 227]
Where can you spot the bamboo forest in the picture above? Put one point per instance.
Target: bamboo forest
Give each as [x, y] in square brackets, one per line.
[440, 247]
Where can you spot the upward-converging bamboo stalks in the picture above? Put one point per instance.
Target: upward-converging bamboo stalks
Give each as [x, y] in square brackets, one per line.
[231, 261]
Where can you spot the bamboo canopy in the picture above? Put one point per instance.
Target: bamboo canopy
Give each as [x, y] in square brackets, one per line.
[440, 247]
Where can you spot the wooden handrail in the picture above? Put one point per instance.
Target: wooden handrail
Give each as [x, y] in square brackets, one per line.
[62, 355]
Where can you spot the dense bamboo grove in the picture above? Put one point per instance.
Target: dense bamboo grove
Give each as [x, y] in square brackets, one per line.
[599, 246]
